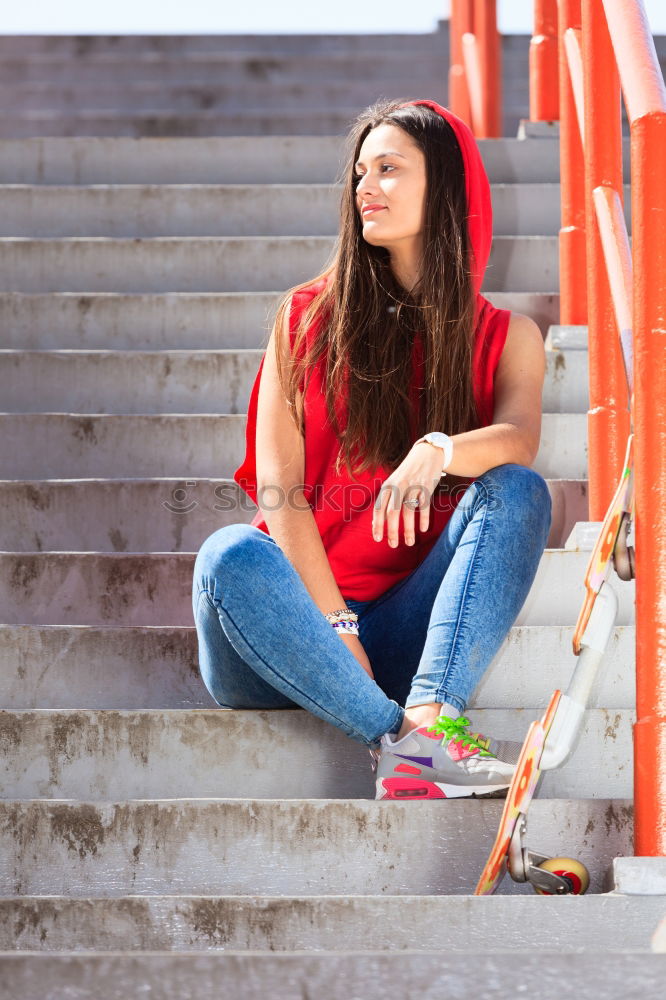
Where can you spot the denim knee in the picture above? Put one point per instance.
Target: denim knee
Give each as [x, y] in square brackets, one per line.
[523, 491]
[227, 549]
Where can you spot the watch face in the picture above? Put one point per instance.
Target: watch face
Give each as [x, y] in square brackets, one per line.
[436, 437]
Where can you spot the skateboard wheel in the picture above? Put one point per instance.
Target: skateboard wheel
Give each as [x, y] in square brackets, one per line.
[573, 871]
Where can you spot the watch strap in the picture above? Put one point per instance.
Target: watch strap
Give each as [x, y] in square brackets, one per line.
[447, 449]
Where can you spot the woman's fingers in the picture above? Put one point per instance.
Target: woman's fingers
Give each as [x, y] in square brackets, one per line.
[390, 504]
[409, 514]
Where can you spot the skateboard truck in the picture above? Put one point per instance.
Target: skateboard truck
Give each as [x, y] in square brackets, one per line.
[526, 866]
[623, 554]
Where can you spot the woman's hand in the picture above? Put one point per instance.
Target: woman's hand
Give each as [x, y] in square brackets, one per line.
[416, 477]
[353, 643]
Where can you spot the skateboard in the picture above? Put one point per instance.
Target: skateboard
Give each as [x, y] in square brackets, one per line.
[550, 741]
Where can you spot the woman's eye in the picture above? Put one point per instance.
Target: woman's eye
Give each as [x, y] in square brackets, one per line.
[357, 177]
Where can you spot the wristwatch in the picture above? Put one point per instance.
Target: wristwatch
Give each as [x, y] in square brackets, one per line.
[442, 441]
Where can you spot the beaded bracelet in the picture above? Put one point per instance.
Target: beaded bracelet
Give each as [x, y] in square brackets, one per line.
[344, 620]
[349, 628]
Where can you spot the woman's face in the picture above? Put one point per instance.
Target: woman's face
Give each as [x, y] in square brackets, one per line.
[390, 196]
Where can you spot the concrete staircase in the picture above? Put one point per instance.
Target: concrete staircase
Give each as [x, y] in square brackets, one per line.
[196, 85]
[145, 846]
[223, 85]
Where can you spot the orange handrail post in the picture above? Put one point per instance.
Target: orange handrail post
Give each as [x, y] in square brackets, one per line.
[475, 86]
[573, 256]
[543, 63]
[485, 29]
[645, 100]
[608, 422]
[461, 22]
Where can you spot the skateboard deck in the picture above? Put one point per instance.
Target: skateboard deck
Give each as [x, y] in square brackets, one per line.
[525, 778]
[598, 566]
[520, 794]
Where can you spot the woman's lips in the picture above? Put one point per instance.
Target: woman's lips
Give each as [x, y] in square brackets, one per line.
[371, 209]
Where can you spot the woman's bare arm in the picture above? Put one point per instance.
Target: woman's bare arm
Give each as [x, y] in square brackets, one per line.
[280, 463]
[280, 478]
[515, 432]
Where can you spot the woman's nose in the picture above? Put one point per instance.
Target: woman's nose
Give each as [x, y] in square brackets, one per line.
[365, 184]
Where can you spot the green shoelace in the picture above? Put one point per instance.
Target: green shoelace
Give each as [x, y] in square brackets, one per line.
[456, 729]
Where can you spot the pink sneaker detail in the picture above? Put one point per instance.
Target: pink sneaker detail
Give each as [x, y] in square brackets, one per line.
[410, 788]
[457, 751]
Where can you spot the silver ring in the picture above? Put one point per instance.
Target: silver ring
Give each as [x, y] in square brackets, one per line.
[411, 503]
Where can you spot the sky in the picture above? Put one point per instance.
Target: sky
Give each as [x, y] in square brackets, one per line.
[64, 17]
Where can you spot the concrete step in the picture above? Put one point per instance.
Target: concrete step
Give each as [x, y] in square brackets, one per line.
[411, 69]
[287, 847]
[151, 210]
[209, 160]
[227, 264]
[174, 320]
[585, 534]
[131, 96]
[112, 446]
[263, 159]
[567, 338]
[91, 47]
[154, 588]
[112, 755]
[158, 382]
[55, 515]
[640, 876]
[603, 923]
[135, 667]
[232, 68]
[324, 120]
[188, 381]
[566, 386]
[337, 976]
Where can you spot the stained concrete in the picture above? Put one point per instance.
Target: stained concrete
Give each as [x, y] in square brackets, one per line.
[287, 847]
[109, 755]
[143, 667]
[344, 976]
[152, 588]
[603, 923]
[54, 514]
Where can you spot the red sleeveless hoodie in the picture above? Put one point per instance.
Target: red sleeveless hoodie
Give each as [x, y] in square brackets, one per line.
[343, 506]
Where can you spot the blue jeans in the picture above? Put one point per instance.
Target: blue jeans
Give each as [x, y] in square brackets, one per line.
[264, 643]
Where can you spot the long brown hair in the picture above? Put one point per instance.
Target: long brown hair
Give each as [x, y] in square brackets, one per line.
[367, 320]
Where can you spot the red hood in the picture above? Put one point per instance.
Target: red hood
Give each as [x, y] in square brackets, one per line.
[477, 187]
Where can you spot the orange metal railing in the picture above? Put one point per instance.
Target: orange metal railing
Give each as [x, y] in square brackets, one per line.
[544, 45]
[608, 421]
[573, 256]
[607, 48]
[475, 66]
[645, 101]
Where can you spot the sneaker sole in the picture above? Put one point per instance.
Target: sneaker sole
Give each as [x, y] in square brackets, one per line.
[409, 788]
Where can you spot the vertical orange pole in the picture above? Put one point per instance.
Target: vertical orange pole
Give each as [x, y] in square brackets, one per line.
[573, 266]
[648, 204]
[645, 99]
[544, 84]
[461, 21]
[485, 29]
[608, 415]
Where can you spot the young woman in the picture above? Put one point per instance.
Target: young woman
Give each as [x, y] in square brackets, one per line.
[390, 433]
